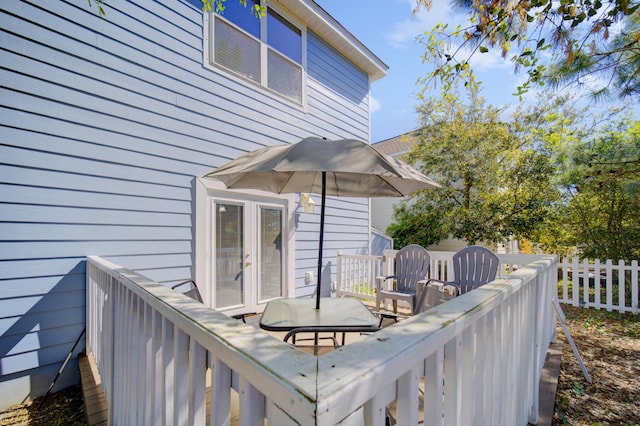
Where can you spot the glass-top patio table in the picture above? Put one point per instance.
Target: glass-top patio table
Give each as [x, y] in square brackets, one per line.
[336, 314]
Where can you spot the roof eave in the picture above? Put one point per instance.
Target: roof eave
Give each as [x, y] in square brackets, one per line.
[323, 24]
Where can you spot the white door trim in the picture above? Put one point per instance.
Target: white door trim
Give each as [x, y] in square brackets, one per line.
[206, 190]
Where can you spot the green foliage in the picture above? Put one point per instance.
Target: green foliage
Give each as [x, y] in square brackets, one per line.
[619, 65]
[416, 225]
[99, 4]
[593, 217]
[495, 183]
[578, 389]
[603, 193]
[577, 33]
[260, 11]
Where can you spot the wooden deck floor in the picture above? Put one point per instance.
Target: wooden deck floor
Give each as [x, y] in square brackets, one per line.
[95, 403]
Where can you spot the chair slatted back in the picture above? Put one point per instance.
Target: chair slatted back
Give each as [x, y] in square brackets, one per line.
[412, 265]
[474, 266]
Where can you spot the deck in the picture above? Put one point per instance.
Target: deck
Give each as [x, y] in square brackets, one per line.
[96, 406]
[476, 358]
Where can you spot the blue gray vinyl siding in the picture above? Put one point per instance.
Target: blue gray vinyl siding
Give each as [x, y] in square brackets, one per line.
[104, 125]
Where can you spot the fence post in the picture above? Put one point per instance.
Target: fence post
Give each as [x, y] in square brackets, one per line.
[621, 286]
[609, 283]
[585, 282]
[635, 295]
[596, 281]
[565, 279]
[339, 278]
[575, 282]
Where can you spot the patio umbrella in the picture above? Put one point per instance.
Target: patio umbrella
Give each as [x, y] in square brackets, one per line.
[344, 167]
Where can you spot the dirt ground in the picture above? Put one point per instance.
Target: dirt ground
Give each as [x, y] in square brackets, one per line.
[60, 408]
[608, 343]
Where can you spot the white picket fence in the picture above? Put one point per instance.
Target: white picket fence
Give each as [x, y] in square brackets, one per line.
[593, 284]
[586, 283]
[166, 359]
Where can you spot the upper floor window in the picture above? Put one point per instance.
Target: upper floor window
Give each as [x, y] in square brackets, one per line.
[267, 51]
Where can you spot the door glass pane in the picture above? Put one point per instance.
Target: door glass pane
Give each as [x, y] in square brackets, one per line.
[229, 249]
[270, 253]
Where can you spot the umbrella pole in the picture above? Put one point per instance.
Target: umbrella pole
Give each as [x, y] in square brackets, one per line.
[319, 276]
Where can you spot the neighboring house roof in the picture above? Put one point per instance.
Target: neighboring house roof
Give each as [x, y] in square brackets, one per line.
[398, 145]
[327, 27]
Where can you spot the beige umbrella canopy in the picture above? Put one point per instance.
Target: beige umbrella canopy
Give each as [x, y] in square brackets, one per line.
[344, 167]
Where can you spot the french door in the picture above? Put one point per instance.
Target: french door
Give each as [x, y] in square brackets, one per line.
[247, 265]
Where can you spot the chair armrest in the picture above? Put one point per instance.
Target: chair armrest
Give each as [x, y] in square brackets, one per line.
[381, 279]
[433, 293]
[445, 286]
[432, 280]
[422, 284]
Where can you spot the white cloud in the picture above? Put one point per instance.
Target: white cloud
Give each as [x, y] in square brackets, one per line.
[374, 105]
[405, 31]
[490, 60]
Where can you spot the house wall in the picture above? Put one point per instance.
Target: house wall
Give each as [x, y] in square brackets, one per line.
[382, 212]
[105, 124]
[380, 243]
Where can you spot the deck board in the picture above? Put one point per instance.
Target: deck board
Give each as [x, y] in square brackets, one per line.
[95, 402]
[549, 384]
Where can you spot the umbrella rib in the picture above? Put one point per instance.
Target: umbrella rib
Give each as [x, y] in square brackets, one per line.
[286, 182]
[400, 193]
[335, 183]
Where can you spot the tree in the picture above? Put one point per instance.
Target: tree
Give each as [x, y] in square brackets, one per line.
[579, 33]
[602, 188]
[618, 65]
[494, 184]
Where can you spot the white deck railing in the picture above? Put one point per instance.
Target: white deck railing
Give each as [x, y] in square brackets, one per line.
[474, 360]
[594, 284]
[356, 274]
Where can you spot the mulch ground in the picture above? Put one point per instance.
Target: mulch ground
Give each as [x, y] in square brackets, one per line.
[609, 344]
[60, 408]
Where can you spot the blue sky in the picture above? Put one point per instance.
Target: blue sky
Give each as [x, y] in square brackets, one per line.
[388, 29]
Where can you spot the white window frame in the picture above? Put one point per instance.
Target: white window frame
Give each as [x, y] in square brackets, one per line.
[206, 191]
[209, 63]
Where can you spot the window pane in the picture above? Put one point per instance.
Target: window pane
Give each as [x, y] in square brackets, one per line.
[270, 253]
[283, 36]
[236, 51]
[285, 77]
[242, 16]
[228, 255]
